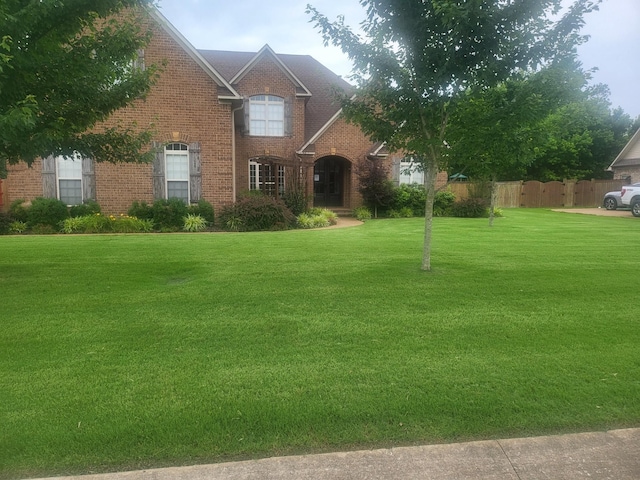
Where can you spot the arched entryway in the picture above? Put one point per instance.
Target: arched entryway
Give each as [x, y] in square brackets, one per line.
[330, 182]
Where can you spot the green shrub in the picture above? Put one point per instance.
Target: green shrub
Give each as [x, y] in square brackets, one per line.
[18, 211]
[87, 208]
[194, 223]
[5, 223]
[362, 213]
[443, 202]
[168, 214]
[18, 227]
[42, 229]
[413, 197]
[404, 212]
[140, 210]
[47, 211]
[98, 223]
[470, 208]
[255, 213]
[296, 200]
[317, 218]
[204, 209]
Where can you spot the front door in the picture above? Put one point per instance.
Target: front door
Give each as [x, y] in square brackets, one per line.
[328, 182]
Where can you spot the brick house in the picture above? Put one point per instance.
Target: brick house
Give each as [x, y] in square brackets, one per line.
[225, 123]
[626, 165]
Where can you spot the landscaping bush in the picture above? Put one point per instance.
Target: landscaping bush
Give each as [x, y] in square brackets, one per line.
[296, 201]
[203, 209]
[5, 223]
[168, 214]
[362, 213]
[254, 213]
[194, 223]
[98, 223]
[443, 203]
[47, 211]
[470, 208]
[18, 211]
[317, 218]
[404, 212]
[18, 227]
[89, 207]
[140, 210]
[412, 197]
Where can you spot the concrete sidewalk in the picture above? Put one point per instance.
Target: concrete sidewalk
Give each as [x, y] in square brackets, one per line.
[613, 455]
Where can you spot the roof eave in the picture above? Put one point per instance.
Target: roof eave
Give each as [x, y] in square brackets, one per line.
[193, 53]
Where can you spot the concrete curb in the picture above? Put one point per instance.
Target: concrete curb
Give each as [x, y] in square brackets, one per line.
[613, 455]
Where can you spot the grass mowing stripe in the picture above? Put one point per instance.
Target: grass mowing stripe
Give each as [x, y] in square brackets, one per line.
[131, 351]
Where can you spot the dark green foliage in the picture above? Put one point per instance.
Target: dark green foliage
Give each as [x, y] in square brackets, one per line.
[46, 211]
[65, 67]
[141, 210]
[5, 221]
[87, 208]
[470, 208]
[443, 203]
[296, 201]
[204, 209]
[18, 211]
[168, 215]
[412, 196]
[256, 212]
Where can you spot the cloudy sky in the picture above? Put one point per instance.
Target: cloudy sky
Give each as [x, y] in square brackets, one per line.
[250, 24]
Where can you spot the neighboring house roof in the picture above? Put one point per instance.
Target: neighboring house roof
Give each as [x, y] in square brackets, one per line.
[311, 78]
[225, 90]
[630, 154]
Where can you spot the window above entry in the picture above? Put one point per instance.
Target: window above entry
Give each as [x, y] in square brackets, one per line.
[268, 116]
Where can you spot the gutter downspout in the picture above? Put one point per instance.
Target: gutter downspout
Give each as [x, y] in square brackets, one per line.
[233, 150]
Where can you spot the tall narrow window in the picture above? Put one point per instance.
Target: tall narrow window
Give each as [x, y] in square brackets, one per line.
[177, 171]
[266, 114]
[267, 177]
[69, 172]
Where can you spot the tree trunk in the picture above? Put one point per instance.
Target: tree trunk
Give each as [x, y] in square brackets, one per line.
[430, 175]
[494, 199]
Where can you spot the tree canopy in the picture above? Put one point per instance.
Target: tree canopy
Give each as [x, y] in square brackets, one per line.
[420, 59]
[64, 68]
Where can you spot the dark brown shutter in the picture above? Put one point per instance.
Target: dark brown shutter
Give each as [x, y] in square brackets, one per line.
[159, 184]
[49, 189]
[247, 116]
[195, 172]
[88, 179]
[288, 117]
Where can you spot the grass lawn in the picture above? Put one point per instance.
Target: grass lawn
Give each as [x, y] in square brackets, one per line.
[131, 351]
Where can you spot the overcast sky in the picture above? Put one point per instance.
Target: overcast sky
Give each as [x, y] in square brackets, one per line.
[248, 25]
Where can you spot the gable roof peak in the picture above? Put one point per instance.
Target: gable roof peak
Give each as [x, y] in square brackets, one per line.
[267, 50]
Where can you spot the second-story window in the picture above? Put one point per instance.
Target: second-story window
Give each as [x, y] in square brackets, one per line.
[266, 114]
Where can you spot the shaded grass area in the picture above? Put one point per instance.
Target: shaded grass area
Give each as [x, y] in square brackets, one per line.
[132, 351]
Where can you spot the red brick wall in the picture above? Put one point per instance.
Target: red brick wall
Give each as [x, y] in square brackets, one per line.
[183, 104]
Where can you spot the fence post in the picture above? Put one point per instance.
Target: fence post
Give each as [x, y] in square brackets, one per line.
[569, 192]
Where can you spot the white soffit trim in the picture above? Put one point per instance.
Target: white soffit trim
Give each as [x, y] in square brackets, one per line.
[193, 53]
[283, 67]
[627, 147]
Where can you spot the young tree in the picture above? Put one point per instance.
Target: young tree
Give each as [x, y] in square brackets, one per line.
[64, 68]
[421, 58]
[374, 184]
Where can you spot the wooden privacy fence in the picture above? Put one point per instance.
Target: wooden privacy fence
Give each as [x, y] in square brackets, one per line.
[532, 194]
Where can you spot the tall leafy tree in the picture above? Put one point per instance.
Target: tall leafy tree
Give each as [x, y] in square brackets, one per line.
[64, 68]
[499, 131]
[420, 58]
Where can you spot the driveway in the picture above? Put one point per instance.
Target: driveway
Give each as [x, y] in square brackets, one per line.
[603, 212]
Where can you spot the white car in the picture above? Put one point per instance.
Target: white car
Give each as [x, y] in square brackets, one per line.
[630, 197]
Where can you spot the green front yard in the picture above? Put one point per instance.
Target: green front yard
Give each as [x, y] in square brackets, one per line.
[126, 351]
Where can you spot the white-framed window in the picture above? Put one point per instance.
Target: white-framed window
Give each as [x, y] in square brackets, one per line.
[176, 157]
[69, 179]
[266, 116]
[266, 177]
[410, 172]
